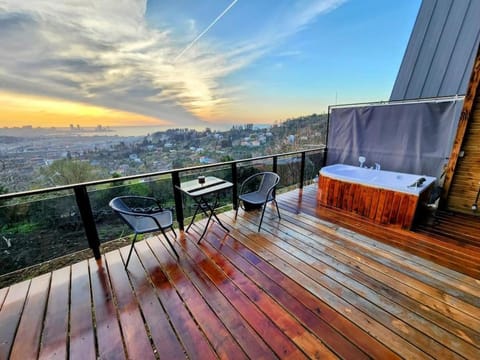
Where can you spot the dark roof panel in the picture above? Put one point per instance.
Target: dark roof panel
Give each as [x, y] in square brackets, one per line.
[441, 50]
[464, 53]
[443, 55]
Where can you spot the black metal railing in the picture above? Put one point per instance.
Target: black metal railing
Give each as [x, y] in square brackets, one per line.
[297, 167]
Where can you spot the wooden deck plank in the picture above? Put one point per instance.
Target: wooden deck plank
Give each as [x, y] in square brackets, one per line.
[82, 336]
[299, 302]
[394, 327]
[27, 339]
[319, 290]
[217, 334]
[380, 294]
[55, 332]
[309, 207]
[440, 277]
[252, 344]
[405, 259]
[264, 326]
[132, 325]
[107, 327]
[3, 295]
[393, 285]
[192, 338]
[166, 342]
[305, 340]
[427, 272]
[337, 320]
[10, 316]
[445, 253]
[459, 229]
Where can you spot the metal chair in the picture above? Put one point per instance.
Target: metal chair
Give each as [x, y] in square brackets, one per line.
[143, 215]
[264, 193]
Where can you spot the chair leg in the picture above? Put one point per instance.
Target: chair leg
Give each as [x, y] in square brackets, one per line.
[174, 233]
[169, 243]
[278, 211]
[131, 249]
[261, 219]
[236, 211]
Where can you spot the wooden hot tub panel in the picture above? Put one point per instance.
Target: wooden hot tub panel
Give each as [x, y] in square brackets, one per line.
[381, 206]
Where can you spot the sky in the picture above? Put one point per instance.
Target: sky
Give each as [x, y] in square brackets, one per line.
[191, 63]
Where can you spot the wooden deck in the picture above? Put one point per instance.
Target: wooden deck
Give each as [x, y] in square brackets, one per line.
[302, 288]
[451, 240]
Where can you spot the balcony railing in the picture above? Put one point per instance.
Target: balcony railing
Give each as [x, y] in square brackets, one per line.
[40, 225]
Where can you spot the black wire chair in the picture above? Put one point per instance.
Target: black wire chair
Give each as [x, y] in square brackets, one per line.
[143, 215]
[261, 195]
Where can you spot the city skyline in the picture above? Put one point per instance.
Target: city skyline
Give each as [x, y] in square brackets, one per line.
[192, 64]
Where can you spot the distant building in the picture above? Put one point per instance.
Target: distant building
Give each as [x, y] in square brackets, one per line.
[206, 160]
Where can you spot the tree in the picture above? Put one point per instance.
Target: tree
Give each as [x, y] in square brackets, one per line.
[226, 158]
[68, 171]
[3, 189]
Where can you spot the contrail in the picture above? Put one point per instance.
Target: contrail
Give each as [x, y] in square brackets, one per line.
[205, 31]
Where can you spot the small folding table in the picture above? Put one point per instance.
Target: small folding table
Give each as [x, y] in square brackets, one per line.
[201, 192]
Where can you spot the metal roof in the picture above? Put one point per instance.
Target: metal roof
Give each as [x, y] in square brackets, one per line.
[441, 50]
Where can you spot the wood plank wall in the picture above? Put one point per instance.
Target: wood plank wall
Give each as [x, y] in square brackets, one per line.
[466, 180]
[380, 206]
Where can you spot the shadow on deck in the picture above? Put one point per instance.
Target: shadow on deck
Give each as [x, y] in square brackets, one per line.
[302, 288]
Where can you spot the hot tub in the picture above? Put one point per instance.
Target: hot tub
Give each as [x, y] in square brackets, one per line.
[383, 197]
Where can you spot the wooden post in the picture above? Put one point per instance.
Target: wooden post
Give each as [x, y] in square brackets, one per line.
[462, 128]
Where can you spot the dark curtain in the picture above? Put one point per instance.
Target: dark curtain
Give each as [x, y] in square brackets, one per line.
[412, 138]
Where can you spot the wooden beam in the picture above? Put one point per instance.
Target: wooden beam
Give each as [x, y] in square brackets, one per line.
[468, 105]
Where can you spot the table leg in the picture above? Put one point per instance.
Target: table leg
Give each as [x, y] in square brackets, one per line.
[212, 214]
[208, 221]
[199, 206]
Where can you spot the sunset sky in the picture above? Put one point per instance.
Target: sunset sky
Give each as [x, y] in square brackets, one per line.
[190, 63]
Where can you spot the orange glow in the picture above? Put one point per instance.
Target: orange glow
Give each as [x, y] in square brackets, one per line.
[21, 110]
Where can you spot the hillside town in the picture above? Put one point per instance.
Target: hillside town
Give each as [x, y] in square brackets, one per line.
[27, 153]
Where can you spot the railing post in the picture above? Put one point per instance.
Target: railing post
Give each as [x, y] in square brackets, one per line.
[274, 169]
[83, 202]
[302, 170]
[178, 199]
[235, 185]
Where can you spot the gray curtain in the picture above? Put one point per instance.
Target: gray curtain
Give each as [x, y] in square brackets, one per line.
[413, 138]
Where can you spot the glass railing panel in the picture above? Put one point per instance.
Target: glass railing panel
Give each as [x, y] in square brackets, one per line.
[109, 225]
[313, 163]
[36, 229]
[288, 168]
[248, 168]
[39, 227]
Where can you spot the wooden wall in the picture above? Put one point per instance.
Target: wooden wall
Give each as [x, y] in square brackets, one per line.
[466, 180]
[380, 206]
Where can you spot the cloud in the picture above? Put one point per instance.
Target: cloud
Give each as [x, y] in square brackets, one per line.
[105, 53]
